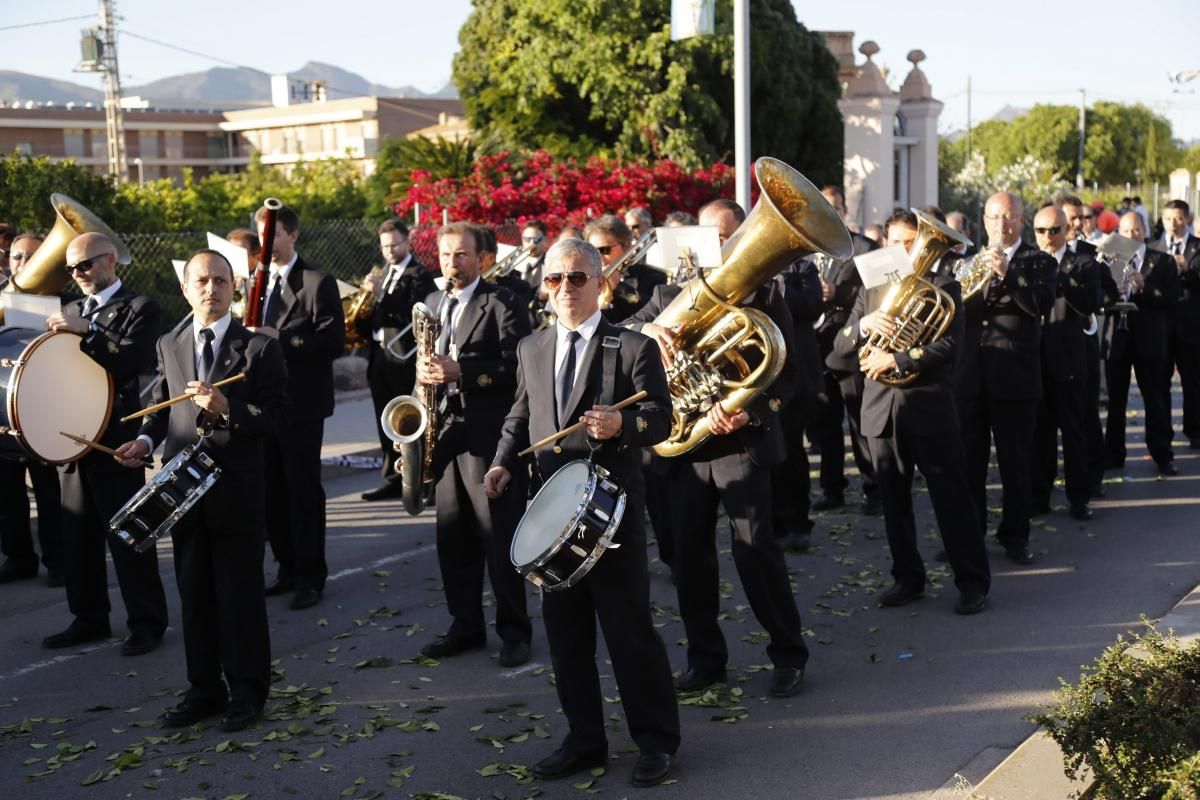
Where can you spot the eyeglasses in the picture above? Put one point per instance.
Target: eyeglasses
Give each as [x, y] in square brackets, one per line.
[85, 265]
[605, 249]
[555, 279]
[19, 256]
[1053, 230]
[1001, 218]
[532, 239]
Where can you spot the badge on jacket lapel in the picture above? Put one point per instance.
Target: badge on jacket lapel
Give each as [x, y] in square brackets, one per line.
[296, 341]
[775, 404]
[848, 331]
[642, 425]
[253, 409]
[112, 347]
[485, 380]
[1021, 281]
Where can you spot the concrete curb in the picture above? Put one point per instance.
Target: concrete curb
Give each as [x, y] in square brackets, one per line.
[1034, 771]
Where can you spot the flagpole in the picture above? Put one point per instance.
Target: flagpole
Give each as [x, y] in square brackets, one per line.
[741, 100]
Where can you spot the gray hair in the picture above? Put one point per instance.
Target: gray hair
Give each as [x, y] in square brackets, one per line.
[573, 250]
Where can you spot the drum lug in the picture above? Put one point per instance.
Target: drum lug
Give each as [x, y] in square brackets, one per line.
[11, 363]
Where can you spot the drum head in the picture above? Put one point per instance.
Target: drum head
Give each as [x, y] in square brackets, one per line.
[555, 507]
[59, 388]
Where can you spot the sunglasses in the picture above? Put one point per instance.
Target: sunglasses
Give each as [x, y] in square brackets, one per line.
[605, 249]
[555, 279]
[1054, 230]
[532, 239]
[85, 265]
[19, 256]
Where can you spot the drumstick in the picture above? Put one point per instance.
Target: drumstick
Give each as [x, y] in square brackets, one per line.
[628, 401]
[100, 447]
[180, 398]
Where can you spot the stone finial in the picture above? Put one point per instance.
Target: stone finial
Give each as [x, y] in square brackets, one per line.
[868, 48]
[915, 56]
[868, 81]
[916, 85]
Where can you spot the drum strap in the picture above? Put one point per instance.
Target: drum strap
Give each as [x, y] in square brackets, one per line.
[612, 358]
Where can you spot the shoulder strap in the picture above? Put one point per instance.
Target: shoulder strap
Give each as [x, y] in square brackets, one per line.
[611, 346]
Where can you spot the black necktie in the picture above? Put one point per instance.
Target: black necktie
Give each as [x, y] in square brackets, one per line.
[90, 305]
[206, 354]
[273, 305]
[443, 342]
[1176, 249]
[566, 377]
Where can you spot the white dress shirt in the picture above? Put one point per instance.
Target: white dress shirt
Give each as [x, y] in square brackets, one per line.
[587, 329]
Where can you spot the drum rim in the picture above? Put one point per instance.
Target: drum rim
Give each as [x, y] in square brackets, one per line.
[143, 495]
[561, 538]
[14, 387]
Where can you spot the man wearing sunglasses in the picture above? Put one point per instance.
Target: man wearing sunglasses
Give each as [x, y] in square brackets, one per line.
[632, 286]
[1064, 368]
[563, 376]
[119, 329]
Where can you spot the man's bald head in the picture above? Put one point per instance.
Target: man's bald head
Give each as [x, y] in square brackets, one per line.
[1003, 216]
[93, 257]
[1050, 228]
[1131, 225]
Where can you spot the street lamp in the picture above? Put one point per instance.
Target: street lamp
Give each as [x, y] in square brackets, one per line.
[141, 171]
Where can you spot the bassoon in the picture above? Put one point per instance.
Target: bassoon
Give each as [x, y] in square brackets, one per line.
[262, 269]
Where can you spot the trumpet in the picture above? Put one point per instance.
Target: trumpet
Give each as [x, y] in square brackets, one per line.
[507, 264]
[630, 257]
[975, 272]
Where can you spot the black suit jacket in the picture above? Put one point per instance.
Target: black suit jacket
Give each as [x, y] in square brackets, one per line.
[762, 439]
[488, 331]
[533, 414]
[926, 405]
[1078, 296]
[846, 285]
[1149, 326]
[800, 284]
[633, 292]
[1187, 312]
[312, 332]
[126, 328]
[393, 310]
[257, 408]
[1001, 345]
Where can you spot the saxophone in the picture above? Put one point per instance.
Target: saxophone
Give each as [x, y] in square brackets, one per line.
[411, 420]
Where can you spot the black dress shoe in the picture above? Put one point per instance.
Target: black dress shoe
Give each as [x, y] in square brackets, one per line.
[900, 595]
[693, 680]
[11, 571]
[238, 717]
[388, 491]
[282, 585]
[970, 603]
[446, 646]
[1168, 468]
[798, 539]
[1019, 554]
[1081, 512]
[786, 681]
[1096, 492]
[651, 769]
[828, 502]
[871, 506]
[191, 711]
[140, 643]
[305, 598]
[514, 654]
[563, 762]
[76, 634]
[55, 578]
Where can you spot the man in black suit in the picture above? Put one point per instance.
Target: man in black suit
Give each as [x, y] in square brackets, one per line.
[631, 287]
[302, 309]
[733, 469]
[999, 369]
[1184, 346]
[843, 381]
[405, 283]
[218, 545]
[1138, 341]
[474, 366]
[119, 328]
[916, 425]
[576, 370]
[16, 532]
[1064, 368]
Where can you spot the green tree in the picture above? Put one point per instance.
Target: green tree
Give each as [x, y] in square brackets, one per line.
[29, 182]
[530, 79]
[397, 158]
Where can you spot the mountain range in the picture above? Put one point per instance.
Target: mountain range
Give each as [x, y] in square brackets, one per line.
[219, 88]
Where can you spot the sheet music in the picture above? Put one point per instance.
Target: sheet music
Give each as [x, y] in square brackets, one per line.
[29, 310]
[882, 266]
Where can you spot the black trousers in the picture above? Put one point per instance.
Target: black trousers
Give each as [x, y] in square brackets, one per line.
[1062, 408]
[296, 504]
[842, 397]
[90, 498]
[218, 569]
[1010, 423]
[790, 481]
[617, 594]
[387, 380]
[658, 508]
[744, 489]
[474, 534]
[1094, 430]
[1186, 358]
[16, 531]
[1155, 399]
[941, 460]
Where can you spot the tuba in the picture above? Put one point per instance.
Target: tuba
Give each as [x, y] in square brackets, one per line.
[923, 312]
[43, 274]
[725, 353]
[411, 421]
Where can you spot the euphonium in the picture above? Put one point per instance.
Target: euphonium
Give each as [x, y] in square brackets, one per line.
[922, 311]
[725, 353]
[356, 307]
[43, 273]
[411, 422]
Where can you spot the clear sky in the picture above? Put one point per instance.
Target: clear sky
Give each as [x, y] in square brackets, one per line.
[1018, 52]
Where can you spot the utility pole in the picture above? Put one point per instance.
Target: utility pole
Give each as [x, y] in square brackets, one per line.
[1082, 126]
[741, 100]
[968, 119]
[99, 54]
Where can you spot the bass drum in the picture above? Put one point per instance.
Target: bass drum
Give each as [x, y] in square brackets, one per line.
[50, 387]
[568, 526]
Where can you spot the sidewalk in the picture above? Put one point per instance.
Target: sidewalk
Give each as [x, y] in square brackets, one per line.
[349, 433]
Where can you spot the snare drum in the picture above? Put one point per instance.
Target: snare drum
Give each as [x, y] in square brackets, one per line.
[160, 504]
[568, 526]
[50, 386]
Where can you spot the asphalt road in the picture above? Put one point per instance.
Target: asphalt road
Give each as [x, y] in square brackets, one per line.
[897, 701]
